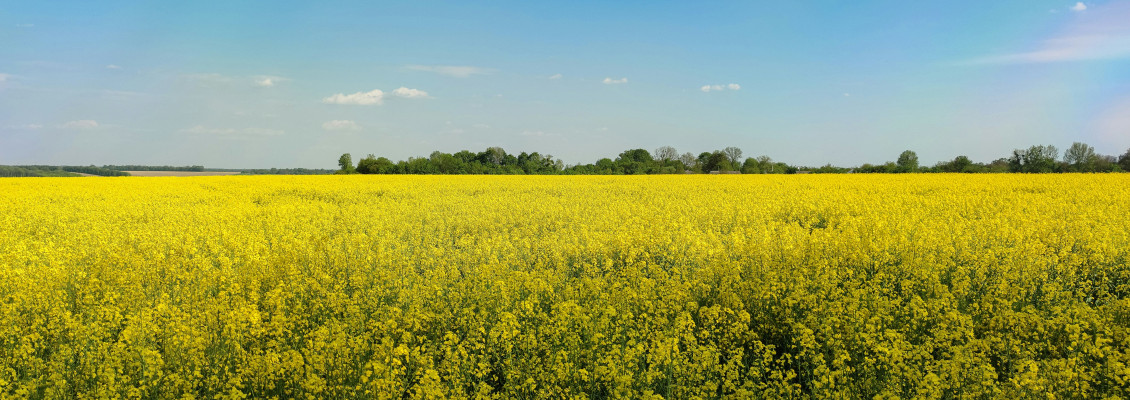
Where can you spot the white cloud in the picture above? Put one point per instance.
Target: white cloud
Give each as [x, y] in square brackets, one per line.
[268, 80]
[27, 126]
[201, 130]
[555, 76]
[610, 81]
[112, 66]
[341, 125]
[80, 124]
[1099, 35]
[409, 93]
[4, 77]
[717, 88]
[480, 126]
[847, 94]
[1079, 7]
[375, 97]
[458, 71]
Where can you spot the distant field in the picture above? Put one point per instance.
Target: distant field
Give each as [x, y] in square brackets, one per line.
[182, 173]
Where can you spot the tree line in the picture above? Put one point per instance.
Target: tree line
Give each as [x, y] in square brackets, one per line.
[495, 160]
[1079, 157]
[286, 171]
[8, 171]
[56, 170]
[190, 168]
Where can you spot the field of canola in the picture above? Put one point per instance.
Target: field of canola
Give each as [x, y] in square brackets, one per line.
[674, 287]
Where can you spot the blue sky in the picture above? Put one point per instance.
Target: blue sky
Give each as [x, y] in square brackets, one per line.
[245, 84]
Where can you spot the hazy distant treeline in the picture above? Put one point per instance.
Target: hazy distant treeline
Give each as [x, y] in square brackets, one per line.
[191, 168]
[8, 171]
[287, 171]
[119, 170]
[56, 170]
[1079, 157]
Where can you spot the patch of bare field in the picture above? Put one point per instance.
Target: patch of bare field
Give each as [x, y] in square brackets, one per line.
[182, 173]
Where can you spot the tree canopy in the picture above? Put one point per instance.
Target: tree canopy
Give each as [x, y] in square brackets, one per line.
[667, 160]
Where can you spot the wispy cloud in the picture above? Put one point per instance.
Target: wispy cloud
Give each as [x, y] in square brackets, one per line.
[1079, 7]
[409, 93]
[81, 124]
[265, 82]
[1099, 34]
[458, 71]
[27, 126]
[202, 130]
[4, 77]
[718, 88]
[374, 97]
[112, 66]
[213, 79]
[610, 81]
[341, 125]
[555, 76]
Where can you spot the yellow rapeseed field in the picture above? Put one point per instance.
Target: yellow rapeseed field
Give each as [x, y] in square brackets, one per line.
[674, 287]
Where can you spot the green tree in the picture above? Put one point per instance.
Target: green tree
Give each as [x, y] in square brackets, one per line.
[734, 154]
[444, 163]
[1081, 157]
[365, 165]
[1124, 161]
[689, 161]
[908, 161]
[959, 164]
[766, 165]
[1035, 159]
[666, 154]
[384, 166]
[717, 161]
[701, 161]
[635, 161]
[496, 155]
[751, 166]
[606, 166]
[346, 164]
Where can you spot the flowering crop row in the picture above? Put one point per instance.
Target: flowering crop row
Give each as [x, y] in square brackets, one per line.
[592, 287]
